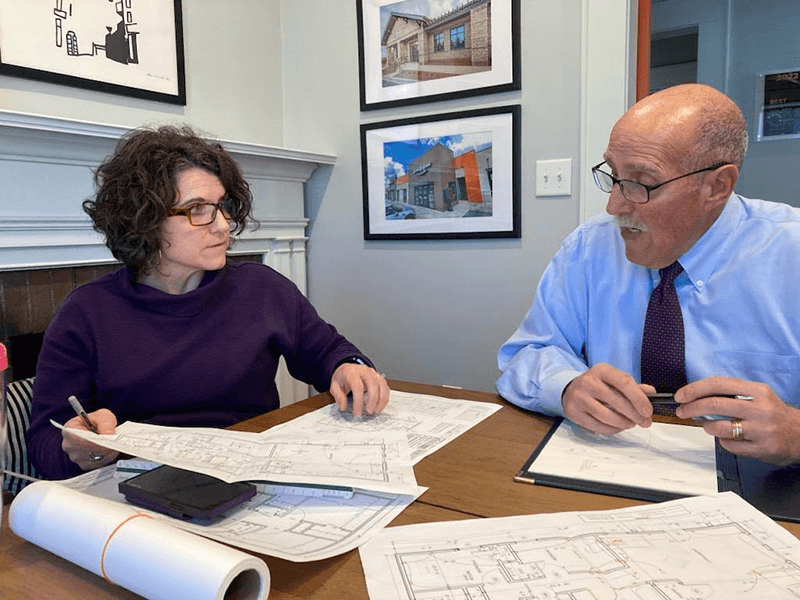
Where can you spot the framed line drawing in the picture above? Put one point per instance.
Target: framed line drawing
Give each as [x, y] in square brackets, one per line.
[448, 176]
[126, 47]
[416, 51]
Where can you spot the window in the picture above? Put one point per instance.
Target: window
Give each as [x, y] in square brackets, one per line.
[457, 39]
[438, 42]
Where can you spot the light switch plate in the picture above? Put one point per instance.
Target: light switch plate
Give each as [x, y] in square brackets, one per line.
[554, 177]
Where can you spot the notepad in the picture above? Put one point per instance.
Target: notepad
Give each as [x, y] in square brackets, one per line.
[665, 461]
[661, 462]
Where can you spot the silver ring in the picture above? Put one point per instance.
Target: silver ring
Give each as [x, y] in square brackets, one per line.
[95, 457]
[736, 430]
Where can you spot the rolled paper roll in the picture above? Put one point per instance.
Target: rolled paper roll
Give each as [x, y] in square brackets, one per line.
[132, 549]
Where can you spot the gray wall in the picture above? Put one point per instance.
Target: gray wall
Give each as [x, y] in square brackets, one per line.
[763, 37]
[430, 311]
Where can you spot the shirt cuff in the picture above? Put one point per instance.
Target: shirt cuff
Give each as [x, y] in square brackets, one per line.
[553, 389]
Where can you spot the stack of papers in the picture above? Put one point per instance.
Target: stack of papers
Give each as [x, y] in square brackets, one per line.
[373, 456]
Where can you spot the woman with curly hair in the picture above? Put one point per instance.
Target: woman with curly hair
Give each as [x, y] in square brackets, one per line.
[178, 336]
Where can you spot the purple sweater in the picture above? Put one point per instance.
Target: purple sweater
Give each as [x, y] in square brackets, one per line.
[206, 358]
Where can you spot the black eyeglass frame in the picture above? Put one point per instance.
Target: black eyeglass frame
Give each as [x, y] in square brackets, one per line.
[648, 188]
[226, 206]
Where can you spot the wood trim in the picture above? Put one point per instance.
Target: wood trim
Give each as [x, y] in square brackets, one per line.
[643, 50]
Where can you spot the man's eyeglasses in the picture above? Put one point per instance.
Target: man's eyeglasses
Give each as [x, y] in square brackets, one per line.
[204, 213]
[633, 191]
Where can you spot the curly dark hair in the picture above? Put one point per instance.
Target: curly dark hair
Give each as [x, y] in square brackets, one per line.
[136, 186]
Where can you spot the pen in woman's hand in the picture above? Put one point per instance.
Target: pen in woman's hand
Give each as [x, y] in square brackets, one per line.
[76, 406]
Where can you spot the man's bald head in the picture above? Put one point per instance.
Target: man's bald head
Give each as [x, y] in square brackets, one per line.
[709, 125]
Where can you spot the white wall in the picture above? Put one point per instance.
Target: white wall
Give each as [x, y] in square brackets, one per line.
[233, 79]
[430, 311]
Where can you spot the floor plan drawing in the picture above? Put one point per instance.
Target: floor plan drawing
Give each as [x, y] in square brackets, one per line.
[293, 527]
[377, 461]
[714, 547]
[430, 422]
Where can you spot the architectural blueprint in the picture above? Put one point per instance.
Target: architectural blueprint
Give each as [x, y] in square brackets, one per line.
[430, 422]
[293, 527]
[714, 547]
[376, 461]
[664, 457]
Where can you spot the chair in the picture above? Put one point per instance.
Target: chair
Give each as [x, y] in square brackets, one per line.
[19, 395]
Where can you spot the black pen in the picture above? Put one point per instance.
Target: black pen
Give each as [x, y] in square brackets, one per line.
[668, 400]
[76, 406]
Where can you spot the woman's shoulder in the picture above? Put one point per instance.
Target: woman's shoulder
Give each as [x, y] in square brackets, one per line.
[99, 290]
[257, 274]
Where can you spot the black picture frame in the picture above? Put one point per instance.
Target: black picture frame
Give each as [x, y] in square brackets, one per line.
[444, 176]
[130, 48]
[471, 50]
[777, 105]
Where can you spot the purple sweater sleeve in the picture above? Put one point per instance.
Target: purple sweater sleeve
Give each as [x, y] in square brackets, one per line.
[318, 348]
[63, 369]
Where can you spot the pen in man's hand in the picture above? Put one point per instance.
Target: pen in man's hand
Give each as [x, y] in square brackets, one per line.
[76, 406]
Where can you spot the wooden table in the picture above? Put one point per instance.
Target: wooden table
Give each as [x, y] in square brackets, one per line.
[470, 477]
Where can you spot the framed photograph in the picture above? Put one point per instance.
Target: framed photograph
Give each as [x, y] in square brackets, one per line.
[128, 47]
[418, 51]
[778, 105]
[453, 176]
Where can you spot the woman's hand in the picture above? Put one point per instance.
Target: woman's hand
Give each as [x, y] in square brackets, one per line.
[369, 388]
[83, 453]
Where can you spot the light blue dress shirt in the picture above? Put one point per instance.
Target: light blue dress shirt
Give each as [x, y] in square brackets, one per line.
[739, 294]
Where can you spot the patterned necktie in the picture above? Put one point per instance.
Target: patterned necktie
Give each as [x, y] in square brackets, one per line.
[663, 346]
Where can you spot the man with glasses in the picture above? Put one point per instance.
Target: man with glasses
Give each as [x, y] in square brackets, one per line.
[179, 335]
[684, 287]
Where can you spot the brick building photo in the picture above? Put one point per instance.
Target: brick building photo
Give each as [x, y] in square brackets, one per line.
[420, 47]
[440, 182]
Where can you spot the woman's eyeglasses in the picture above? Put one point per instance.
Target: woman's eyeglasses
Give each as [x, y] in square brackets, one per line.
[203, 213]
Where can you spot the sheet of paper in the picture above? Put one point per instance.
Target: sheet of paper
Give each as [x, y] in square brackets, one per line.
[375, 461]
[665, 456]
[701, 547]
[144, 555]
[430, 422]
[289, 526]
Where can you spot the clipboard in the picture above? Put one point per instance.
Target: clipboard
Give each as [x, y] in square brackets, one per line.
[773, 490]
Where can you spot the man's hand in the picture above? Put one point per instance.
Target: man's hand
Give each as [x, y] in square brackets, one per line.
[606, 400]
[85, 454]
[770, 427]
[360, 380]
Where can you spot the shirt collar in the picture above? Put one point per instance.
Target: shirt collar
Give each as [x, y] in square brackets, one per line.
[700, 261]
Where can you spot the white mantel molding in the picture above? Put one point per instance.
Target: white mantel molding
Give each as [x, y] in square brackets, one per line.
[85, 130]
[67, 241]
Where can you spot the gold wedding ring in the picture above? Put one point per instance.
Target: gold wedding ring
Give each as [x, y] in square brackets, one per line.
[736, 430]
